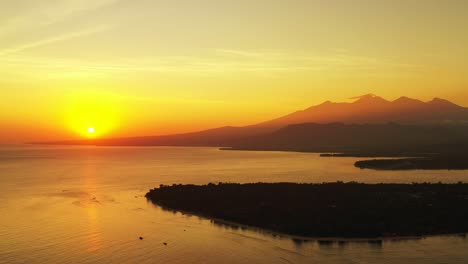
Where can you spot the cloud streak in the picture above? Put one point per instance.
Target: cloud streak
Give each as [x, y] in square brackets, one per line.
[54, 39]
[217, 63]
[38, 14]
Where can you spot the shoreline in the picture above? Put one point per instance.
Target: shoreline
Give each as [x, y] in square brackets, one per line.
[331, 211]
[388, 161]
[222, 222]
[422, 163]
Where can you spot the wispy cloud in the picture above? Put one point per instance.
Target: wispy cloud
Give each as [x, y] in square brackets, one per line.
[268, 63]
[251, 54]
[19, 19]
[340, 59]
[53, 39]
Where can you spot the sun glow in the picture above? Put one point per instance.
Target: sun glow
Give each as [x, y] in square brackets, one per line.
[91, 116]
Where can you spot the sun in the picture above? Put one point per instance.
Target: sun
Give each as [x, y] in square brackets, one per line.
[90, 115]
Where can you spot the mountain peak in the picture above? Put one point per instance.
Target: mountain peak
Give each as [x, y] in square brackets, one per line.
[369, 98]
[325, 103]
[407, 100]
[370, 108]
[369, 95]
[439, 100]
[442, 103]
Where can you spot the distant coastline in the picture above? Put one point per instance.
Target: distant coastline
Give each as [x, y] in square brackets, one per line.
[428, 163]
[330, 210]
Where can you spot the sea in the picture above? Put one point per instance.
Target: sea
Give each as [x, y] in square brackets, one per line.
[70, 204]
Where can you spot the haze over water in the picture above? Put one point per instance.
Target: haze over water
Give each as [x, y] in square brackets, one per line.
[87, 205]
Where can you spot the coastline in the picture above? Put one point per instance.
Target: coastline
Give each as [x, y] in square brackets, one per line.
[422, 163]
[333, 211]
[273, 233]
[389, 161]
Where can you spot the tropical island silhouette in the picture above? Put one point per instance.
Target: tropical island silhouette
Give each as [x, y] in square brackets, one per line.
[349, 210]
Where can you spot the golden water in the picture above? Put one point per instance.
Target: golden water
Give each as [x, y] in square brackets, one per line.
[87, 205]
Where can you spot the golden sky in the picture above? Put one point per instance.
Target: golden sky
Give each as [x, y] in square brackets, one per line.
[149, 67]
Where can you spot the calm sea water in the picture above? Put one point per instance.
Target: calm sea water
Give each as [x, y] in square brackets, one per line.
[87, 205]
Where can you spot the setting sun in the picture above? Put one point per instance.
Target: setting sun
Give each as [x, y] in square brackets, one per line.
[90, 115]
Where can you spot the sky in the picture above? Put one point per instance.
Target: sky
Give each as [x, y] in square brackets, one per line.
[153, 67]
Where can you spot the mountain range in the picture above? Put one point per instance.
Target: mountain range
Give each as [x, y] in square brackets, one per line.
[364, 110]
[374, 110]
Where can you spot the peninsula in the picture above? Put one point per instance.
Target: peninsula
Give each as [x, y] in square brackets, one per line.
[347, 210]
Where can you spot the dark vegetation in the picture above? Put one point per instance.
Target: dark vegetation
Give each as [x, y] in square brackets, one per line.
[430, 163]
[329, 209]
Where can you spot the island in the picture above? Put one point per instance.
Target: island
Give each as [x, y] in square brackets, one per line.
[423, 163]
[341, 210]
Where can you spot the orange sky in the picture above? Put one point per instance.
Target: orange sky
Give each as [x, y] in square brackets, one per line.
[146, 67]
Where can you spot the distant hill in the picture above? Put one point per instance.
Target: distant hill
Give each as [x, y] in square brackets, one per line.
[364, 139]
[217, 137]
[373, 109]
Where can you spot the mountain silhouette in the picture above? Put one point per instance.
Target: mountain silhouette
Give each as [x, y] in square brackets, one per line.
[374, 109]
[365, 109]
[389, 139]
